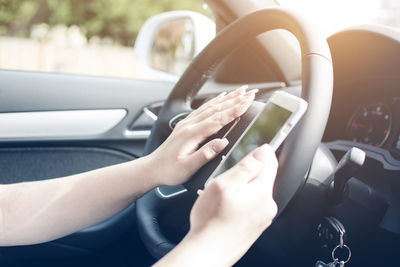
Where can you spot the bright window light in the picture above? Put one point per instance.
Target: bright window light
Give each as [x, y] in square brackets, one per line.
[333, 15]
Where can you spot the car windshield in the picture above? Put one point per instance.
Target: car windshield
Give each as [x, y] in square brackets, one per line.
[334, 15]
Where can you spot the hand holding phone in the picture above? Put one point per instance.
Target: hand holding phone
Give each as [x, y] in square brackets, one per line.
[270, 125]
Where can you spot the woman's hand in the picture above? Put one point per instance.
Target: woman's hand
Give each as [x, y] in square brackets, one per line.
[179, 157]
[230, 214]
[239, 200]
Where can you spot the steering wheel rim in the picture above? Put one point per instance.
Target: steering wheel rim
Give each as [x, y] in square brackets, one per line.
[300, 146]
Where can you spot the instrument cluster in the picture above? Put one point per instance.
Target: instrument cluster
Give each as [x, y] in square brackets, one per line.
[376, 123]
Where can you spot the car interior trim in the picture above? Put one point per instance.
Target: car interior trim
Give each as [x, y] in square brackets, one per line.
[149, 113]
[137, 134]
[67, 123]
[173, 194]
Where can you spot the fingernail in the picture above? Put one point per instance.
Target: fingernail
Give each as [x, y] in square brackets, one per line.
[251, 94]
[243, 89]
[253, 91]
[220, 145]
[262, 153]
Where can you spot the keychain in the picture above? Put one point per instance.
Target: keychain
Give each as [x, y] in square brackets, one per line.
[336, 261]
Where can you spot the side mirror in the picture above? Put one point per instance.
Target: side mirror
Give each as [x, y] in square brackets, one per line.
[167, 43]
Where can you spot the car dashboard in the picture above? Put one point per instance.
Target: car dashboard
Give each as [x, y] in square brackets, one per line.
[366, 101]
[372, 122]
[365, 113]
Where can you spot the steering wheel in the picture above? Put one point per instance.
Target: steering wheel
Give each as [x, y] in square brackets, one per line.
[298, 151]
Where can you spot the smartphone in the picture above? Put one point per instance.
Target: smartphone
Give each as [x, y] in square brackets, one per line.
[272, 125]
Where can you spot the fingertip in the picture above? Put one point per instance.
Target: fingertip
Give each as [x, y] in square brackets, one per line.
[219, 145]
[242, 89]
[252, 91]
[267, 147]
[267, 158]
[264, 153]
[251, 95]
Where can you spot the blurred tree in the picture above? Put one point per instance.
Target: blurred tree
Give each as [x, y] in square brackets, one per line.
[119, 20]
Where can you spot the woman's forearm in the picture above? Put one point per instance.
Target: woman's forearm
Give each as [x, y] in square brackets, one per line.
[35, 212]
[203, 249]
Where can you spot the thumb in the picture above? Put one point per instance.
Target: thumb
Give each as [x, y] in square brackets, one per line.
[267, 176]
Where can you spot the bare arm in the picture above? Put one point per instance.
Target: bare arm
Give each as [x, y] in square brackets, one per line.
[36, 212]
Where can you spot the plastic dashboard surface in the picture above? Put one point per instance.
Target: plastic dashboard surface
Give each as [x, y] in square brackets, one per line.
[366, 101]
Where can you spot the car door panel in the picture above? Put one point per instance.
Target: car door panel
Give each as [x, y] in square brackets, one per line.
[44, 148]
